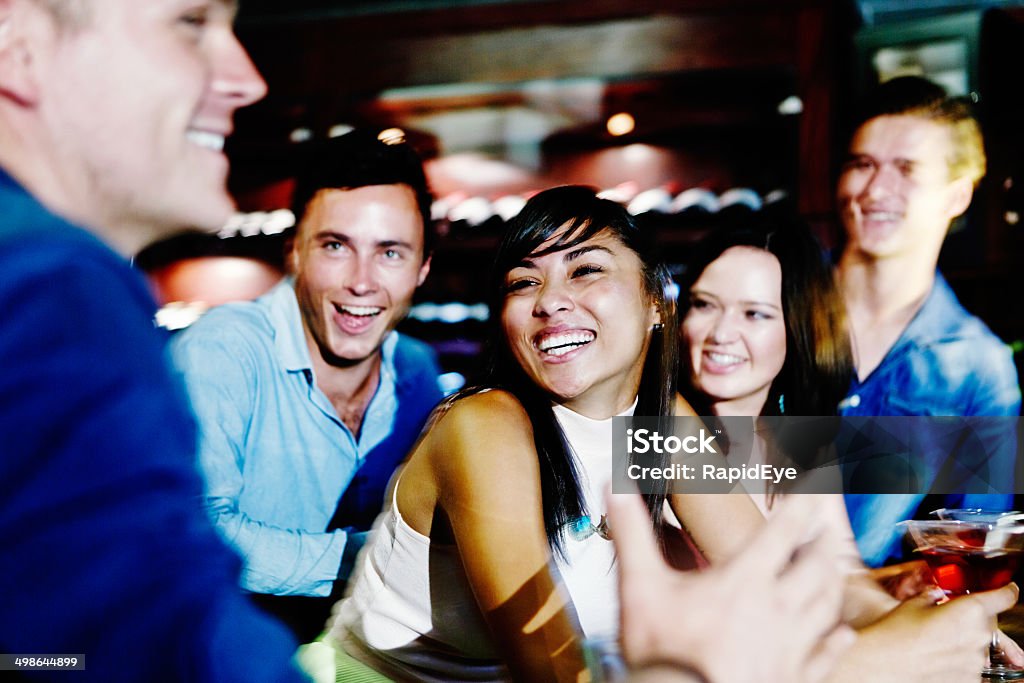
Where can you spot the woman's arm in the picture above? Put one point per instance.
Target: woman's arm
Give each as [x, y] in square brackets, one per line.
[720, 524]
[865, 600]
[487, 477]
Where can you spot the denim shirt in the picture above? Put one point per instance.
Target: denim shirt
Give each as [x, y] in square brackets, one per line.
[947, 362]
[277, 460]
[105, 547]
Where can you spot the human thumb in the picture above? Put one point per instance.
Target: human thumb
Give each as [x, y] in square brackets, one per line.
[995, 601]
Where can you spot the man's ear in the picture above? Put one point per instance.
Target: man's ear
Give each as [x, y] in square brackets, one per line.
[18, 80]
[961, 191]
[424, 271]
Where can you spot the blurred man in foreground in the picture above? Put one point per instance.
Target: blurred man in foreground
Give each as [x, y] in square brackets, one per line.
[113, 114]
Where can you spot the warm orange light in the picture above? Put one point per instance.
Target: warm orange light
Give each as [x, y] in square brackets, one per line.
[621, 124]
[213, 280]
[391, 136]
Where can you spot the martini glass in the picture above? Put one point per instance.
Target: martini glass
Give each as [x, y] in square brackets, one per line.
[1000, 517]
[970, 556]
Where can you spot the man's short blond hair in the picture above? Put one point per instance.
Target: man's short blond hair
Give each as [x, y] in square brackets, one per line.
[918, 97]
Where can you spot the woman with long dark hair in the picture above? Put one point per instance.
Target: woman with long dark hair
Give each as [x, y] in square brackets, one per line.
[765, 338]
[492, 560]
[793, 294]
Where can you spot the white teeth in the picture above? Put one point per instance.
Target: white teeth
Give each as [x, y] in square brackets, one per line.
[882, 215]
[206, 139]
[360, 310]
[723, 358]
[561, 344]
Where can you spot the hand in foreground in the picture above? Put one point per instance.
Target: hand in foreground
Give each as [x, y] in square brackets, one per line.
[769, 614]
[922, 641]
[909, 579]
[904, 581]
[1012, 652]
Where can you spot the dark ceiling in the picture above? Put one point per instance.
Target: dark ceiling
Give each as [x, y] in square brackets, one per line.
[259, 10]
[326, 64]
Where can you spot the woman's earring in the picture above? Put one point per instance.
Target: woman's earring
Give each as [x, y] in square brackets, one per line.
[657, 326]
[782, 404]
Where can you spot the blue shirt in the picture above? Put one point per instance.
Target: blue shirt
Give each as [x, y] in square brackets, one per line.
[946, 362]
[275, 454]
[106, 549]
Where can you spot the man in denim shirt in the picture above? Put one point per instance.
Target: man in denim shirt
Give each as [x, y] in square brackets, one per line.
[307, 398]
[113, 117]
[912, 167]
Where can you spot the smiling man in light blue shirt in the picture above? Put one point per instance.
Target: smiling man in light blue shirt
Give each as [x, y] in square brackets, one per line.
[307, 398]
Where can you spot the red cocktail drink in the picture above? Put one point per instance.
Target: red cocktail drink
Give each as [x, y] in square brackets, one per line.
[970, 556]
[959, 571]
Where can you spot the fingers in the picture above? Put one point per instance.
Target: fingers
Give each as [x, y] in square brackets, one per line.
[789, 526]
[905, 580]
[814, 584]
[923, 600]
[641, 568]
[824, 658]
[993, 602]
[1011, 650]
[638, 553]
[812, 595]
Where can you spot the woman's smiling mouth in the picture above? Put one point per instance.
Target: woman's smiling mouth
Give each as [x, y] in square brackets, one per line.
[561, 343]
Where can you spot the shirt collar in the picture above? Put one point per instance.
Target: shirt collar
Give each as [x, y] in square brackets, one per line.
[24, 213]
[562, 411]
[9, 183]
[940, 315]
[290, 337]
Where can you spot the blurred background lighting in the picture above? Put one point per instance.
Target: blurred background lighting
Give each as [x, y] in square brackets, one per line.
[450, 382]
[391, 136]
[277, 222]
[791, 105]
[178, 315]
[300, 135]
[621, 124]
[339, 129]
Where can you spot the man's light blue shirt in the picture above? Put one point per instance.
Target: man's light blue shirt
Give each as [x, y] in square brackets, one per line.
[275, 455]
[946, 363]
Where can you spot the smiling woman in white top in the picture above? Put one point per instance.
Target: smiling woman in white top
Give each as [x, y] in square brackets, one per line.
[492, 559]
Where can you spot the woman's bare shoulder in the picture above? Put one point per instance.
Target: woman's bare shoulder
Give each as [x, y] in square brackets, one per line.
[481, 414]
[481, 435]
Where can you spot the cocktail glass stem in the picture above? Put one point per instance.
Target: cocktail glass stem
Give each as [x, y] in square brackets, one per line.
[998, 668]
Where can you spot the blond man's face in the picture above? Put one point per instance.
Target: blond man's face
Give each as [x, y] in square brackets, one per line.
[139, 98]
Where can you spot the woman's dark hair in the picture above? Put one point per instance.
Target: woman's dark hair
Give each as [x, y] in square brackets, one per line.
[816, 374]
[576, 214]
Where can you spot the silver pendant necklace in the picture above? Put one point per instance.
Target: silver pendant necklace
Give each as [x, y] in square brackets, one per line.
[582, 528]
